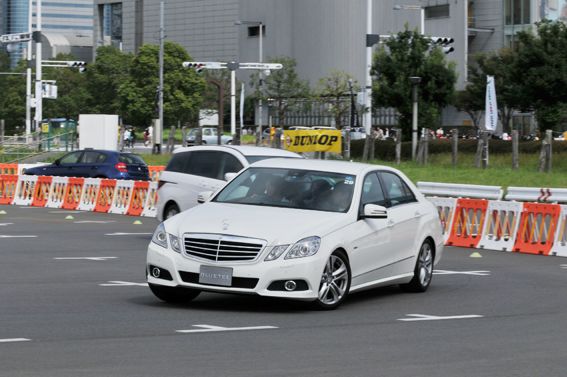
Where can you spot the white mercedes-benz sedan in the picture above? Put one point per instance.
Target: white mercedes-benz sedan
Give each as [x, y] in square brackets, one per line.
[301, 229]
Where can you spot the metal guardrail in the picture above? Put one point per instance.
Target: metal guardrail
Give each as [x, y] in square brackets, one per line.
[460, 190]
[549, 195]
[16, 148]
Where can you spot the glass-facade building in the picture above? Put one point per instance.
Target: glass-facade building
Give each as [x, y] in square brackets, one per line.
[15, 20]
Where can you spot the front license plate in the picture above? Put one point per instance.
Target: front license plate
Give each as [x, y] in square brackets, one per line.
[215, 275]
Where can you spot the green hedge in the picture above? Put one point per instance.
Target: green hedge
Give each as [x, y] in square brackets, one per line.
[386, 149]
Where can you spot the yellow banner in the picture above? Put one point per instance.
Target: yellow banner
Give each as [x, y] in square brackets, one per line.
[313, 141]
[45, 128]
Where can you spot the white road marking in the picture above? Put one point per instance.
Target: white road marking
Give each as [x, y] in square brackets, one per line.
[563, 266]
[127, 234]
[5, 224]
[118, 283]
[16, 236]
[65, 211]
[14, 340]
[94, 221]
[209, 328]
[424, 317]
[447, 272]
[86, 258]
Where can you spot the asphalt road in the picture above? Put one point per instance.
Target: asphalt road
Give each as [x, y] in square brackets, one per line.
[500, 315]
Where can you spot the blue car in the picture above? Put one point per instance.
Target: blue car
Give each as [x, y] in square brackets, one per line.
[96, 163]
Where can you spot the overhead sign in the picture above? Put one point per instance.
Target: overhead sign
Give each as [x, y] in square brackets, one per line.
[313, 141]
[16, 38]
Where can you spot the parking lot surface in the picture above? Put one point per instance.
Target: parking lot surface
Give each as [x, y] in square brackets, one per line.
[73, 302]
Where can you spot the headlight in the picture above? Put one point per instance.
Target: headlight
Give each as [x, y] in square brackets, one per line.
[175, 244]
[304, 248]
[276, 252]
[160, 236]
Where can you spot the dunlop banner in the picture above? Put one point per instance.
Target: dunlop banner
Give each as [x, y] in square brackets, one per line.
[313, 141]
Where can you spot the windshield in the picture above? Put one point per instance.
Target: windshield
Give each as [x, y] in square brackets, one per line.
[303, 189]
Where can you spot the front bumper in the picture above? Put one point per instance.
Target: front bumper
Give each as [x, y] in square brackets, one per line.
[184, 273]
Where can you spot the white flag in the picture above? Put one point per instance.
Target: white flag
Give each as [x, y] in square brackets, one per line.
[241, 108]
[491, 109]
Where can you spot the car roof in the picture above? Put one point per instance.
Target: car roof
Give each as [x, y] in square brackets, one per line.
[245, 150]
[344, 167]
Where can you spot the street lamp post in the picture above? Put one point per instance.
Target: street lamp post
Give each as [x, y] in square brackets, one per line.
[414, 83]
[260, 57]
[38, 58]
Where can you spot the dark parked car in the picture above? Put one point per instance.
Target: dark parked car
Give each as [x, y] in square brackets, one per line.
[96, 163]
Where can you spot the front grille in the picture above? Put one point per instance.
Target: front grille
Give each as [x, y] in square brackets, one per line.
[221, 248]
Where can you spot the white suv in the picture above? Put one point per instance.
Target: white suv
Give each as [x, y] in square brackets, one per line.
[192, 170]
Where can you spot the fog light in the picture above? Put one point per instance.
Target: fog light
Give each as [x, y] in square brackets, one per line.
[156, 272]
[290, 285]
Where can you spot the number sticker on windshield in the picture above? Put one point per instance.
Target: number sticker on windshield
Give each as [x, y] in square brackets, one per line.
[349, 181]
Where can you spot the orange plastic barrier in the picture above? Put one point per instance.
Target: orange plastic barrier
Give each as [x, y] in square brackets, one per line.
[138, 199]
[8, 184]
[41, 193]
[468, 222]
[73, 193]
[155, 172]
[537, 228]
[9, 169]
[105, 195]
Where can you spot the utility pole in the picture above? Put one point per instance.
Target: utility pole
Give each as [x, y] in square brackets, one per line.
[29, 75]
[367, 117]
[159, 128]
[261, 83]
[38, 59]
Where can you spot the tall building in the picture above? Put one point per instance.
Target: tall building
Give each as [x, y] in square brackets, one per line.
[320, 35]
[67, 27]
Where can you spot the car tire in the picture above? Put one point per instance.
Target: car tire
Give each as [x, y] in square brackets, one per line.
[170, 210]
[335, 282]
[174, 295]
[423, 272]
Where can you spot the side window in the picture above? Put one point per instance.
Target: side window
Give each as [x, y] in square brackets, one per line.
[179, 162]
[372, 192]
[207, 132]
[90, 157]
[71, 158]
[205, 164]
[396, 189]
[101, 158]
[230, 164]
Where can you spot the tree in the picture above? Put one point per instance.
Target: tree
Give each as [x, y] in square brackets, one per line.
[12, 95]
[104, 76]
[282, 86]
[333, 90]
[502, 65]
[403, 56]
[542, 63]
[182, 87]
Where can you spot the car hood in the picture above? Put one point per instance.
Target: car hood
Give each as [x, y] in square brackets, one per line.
[275, 225]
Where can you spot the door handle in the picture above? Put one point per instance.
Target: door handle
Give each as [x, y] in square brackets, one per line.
[390, 223]
[417, 214]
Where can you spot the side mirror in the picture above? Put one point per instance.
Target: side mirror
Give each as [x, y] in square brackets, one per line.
[229, 176]
[57, 162]
[204, 196]
[374, 211]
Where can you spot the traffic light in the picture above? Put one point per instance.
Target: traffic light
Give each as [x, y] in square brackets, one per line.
[197, 66]
[443, 42]
[82, 66]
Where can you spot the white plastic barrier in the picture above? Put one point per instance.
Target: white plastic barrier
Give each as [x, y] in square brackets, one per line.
[560, 244]
[534, 194]
[57, 192]
[150, 206]
[460, 190]
[89, 195]
[122, 195]
[446, 209]
[25, 190]
[501, 225]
